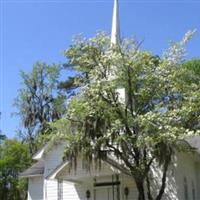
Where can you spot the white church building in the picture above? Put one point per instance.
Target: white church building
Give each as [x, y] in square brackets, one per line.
[50, 178]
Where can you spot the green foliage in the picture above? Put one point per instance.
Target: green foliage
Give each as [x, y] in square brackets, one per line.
[193, 66]
[39, 101]
[14, 158]
[69, 85]
[188, 81]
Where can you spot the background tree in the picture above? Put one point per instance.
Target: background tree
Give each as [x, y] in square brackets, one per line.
[39, 101]
[14, 157]
[153, 118]
[2, 136]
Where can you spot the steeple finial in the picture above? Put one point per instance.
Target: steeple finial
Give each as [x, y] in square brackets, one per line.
[115, 35]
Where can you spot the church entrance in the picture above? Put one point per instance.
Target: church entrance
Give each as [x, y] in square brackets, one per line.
[107, 193]
[108, 190]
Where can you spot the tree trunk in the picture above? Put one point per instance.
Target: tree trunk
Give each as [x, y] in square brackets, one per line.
[141, 192]
[164, 177]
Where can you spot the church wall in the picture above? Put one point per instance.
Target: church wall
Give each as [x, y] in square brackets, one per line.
[185, 166]
[187, 176]
[128, 182]
[182, 178]
[197, 173]
[51, 190]
[75, 191]
[35, 188]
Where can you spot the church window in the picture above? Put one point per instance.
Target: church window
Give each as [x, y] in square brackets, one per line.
[185, 188]
[193, 191]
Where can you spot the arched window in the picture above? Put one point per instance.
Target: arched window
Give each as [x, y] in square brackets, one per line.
[185, 188]
[193, 191]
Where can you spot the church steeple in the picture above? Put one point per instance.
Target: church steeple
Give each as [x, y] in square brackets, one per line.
[115, 35]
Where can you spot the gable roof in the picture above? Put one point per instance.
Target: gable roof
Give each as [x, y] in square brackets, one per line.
[109, 160]
[59, 168]
[36, 169]
[39, 154]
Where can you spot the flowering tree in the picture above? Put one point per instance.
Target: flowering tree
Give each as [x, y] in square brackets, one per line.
[140, 129]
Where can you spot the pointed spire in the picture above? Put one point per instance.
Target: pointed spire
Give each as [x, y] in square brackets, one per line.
[115, 35]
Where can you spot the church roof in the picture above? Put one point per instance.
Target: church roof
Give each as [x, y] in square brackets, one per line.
[36, 169]
[39, 154]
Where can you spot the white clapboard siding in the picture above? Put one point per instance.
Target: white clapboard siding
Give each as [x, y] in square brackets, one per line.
[73, 191]
[35, 188]
[51, 190]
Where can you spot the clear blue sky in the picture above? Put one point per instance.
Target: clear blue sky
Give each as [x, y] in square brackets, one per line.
[34, 30]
